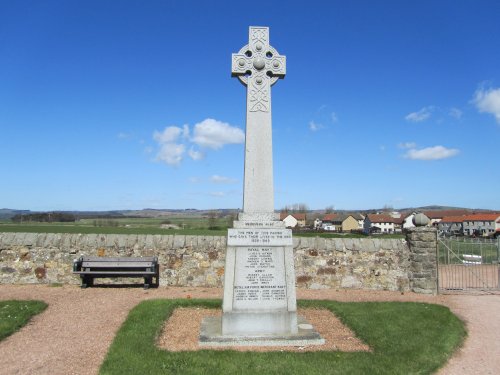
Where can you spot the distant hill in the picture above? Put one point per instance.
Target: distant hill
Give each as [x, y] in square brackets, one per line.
[7, 213]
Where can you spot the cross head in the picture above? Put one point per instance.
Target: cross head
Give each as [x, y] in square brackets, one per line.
[258, 66]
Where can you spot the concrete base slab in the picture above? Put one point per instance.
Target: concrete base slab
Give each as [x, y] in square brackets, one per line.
[211, 335]
[260, 323]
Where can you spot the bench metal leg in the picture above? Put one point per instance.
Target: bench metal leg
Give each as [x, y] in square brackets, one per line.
[87, 281]
[147, 282]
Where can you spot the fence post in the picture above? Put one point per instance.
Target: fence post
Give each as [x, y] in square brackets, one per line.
[498, 250]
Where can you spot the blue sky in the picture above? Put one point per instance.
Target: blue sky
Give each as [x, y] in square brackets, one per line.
[130, 104]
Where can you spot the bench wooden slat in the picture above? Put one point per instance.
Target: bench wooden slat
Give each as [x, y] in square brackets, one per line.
[119, 259]
[86, 264]
[100, 272]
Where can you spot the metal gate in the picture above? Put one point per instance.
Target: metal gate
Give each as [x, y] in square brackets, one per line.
[466, 264]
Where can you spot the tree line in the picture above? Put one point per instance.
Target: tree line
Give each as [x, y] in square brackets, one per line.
[45, 217]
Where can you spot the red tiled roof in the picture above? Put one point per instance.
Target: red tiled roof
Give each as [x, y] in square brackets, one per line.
[399, 220]
[453, 219]
[482, 217]
[330, 217]
[375, 218]
[438, 214]
[472, 217]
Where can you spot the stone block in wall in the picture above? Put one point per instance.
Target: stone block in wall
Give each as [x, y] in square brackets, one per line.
[179, 241]
[368, 244]
[30, 240]
[424, 235]
[130, 241]
[121, 242]
[149, 243]
[351, 282]
[192, 241]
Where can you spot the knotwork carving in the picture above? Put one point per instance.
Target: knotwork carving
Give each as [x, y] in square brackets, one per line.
[259, 95]
[258, 66]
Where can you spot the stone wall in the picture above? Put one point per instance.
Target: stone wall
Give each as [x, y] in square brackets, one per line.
[365, 263]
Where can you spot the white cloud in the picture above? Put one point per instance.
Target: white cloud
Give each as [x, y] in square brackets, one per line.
[488, 101]
[216, 179]
[174, 140]
[185, 131]
[169, 135]
[215, 134]
[171, 153]
[195, 155]
[431, 153]
[421, 115]
[194, 180]
[315, 127]
[407, 145]
[334, 117]
[455, 113]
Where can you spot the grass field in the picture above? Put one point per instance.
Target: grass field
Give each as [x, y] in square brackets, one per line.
[406, 338]
[451, 250]
[186, 225]
[15, 314]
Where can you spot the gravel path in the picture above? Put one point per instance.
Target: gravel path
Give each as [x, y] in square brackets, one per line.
[73, 335]
[481, 352]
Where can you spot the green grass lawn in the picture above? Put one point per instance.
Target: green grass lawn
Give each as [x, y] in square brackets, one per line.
[406, 338]
[15, 314]
[188, 226]
[54, 228]
[451, 251]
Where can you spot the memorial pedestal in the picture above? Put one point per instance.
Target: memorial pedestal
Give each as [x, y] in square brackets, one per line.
[259, 306]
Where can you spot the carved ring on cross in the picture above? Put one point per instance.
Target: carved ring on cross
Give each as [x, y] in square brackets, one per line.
[258, 60]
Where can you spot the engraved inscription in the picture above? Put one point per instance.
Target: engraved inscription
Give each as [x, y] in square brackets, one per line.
[260, 279]
[259, 237]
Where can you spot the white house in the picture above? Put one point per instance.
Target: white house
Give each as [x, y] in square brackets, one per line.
[408, 221]
[376, 222]
[293, 220]
[290, 221]
[451, 225]
[484, 224]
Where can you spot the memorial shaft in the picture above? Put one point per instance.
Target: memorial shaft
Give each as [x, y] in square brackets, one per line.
[258, 66]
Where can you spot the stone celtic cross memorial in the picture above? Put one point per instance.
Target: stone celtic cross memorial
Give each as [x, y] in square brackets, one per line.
[259, 306]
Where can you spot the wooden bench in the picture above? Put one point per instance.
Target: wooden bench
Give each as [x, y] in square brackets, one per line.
[90, 268]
